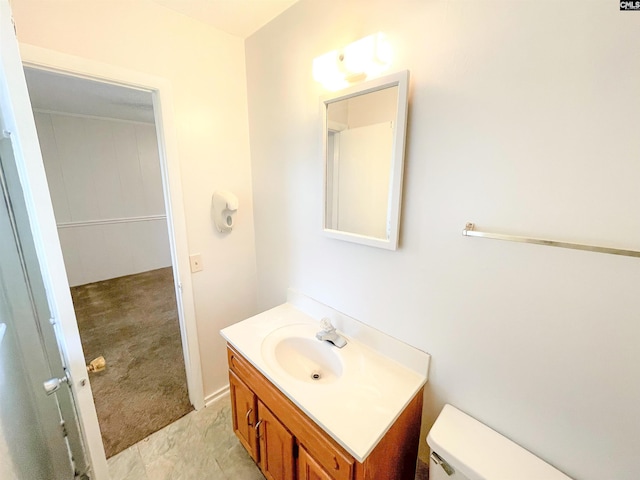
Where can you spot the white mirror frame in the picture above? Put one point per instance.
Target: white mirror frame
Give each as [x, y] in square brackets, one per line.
[401, 80]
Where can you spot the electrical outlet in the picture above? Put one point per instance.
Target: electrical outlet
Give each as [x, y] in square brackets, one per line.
[196, 262]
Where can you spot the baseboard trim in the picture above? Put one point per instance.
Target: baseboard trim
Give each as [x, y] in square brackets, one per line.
[215, 396]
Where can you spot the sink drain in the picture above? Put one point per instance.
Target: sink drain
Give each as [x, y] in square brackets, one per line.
[316, 376]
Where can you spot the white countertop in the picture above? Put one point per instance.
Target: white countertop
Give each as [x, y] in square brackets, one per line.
[358, 408]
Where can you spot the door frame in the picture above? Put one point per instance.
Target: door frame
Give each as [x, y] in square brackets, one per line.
[37, 189]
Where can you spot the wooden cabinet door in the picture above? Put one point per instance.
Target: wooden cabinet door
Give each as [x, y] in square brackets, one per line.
[244, 413]
[309, 468]
[276, 447]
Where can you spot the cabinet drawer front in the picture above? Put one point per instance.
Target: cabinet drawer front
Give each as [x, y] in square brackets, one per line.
[240, 366]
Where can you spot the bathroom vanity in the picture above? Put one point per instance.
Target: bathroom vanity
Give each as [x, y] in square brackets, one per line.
[305, 409]
[287, 444]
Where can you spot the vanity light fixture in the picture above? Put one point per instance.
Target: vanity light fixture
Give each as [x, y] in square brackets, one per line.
[367, 57]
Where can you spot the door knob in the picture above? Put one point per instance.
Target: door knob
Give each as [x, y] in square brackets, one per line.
[52, 385]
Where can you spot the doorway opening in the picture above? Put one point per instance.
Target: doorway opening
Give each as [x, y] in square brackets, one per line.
[104, 166]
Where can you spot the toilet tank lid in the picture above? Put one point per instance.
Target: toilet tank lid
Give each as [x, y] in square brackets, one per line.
[481, 453]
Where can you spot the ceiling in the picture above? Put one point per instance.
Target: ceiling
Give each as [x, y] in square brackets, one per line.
[63, 93]
[237, 17]
[60, 93]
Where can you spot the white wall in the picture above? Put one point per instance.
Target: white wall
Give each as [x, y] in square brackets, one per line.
[207, 74]
[106, 189]
[523, 118]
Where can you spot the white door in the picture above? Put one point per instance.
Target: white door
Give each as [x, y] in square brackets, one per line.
[35, 438]
[40, 338]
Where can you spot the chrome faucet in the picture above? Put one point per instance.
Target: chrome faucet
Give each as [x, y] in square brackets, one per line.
[329, 334]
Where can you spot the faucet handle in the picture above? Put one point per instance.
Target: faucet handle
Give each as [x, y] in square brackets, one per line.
[325, 323]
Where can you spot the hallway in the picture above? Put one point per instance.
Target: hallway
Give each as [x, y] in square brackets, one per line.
[132, 322]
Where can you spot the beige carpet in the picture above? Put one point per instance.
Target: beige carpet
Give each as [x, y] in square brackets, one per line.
[132, 321]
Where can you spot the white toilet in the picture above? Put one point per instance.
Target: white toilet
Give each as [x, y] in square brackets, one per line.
[464, 449]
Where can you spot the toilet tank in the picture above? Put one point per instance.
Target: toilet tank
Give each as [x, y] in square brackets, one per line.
[462, 448]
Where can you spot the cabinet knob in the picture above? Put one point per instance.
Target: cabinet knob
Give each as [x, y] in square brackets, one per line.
[337, 465]
[257, 427]
[247, 417]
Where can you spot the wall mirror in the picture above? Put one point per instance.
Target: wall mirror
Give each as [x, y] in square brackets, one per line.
[363, 137]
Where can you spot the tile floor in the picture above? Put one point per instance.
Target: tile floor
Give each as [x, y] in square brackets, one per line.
[199, 446]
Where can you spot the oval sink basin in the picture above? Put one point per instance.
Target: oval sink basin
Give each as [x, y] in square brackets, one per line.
[295, 351]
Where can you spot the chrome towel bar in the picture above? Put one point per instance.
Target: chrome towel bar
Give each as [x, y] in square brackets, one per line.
[470, 231]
